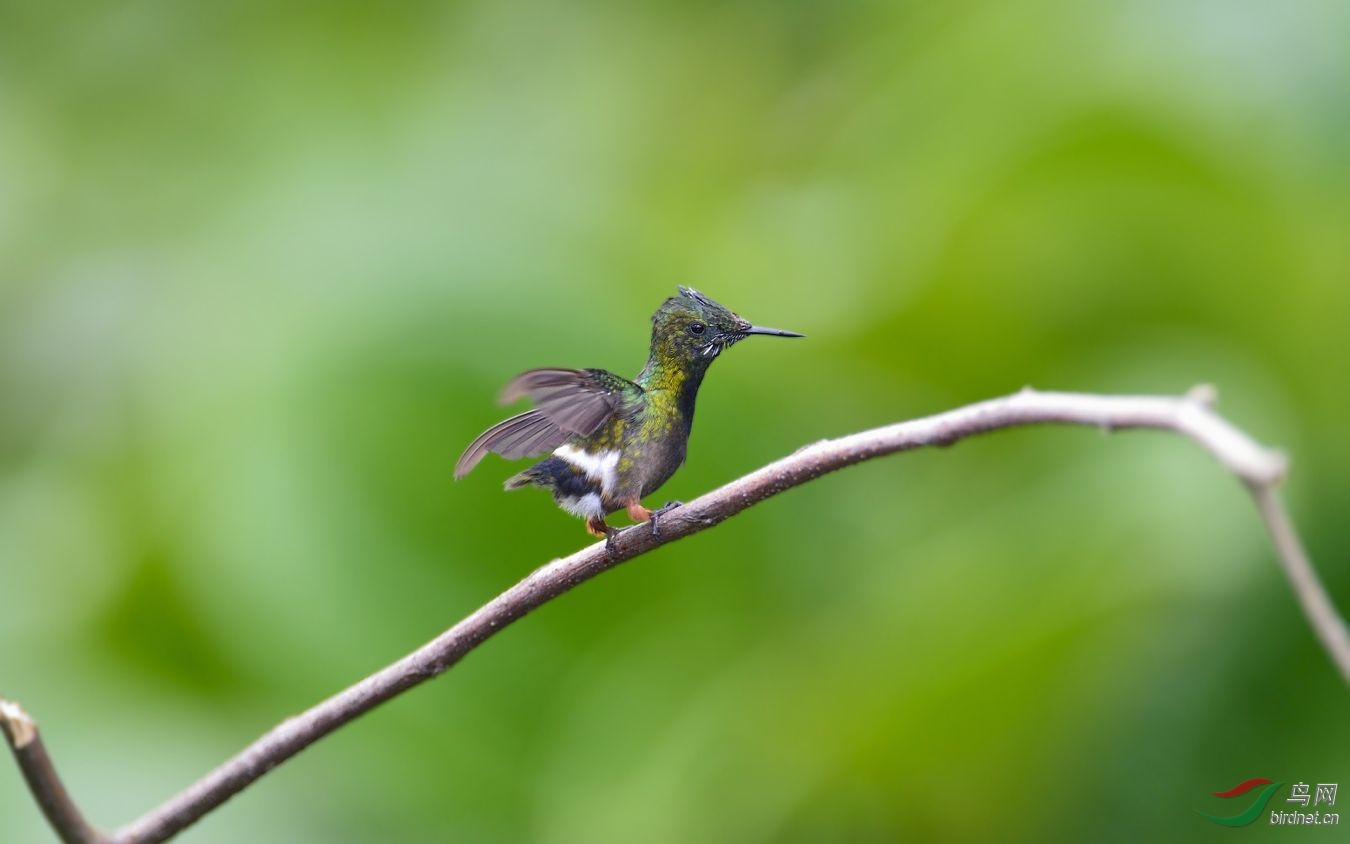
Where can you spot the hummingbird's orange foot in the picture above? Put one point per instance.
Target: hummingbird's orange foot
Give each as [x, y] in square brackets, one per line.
[596, 526]
[637, 512]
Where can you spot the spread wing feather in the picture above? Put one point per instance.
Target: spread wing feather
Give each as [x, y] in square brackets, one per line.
[567, 402]
[527, 434]
[576, 400]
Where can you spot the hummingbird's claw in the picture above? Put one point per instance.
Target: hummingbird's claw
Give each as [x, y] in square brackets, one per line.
[658, 513]
[596, 526]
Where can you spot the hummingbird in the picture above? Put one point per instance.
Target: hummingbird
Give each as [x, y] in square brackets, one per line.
[612, 441]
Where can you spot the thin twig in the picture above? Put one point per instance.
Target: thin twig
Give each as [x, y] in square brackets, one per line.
[21, 731]
[1312, 596]
[1260, 470]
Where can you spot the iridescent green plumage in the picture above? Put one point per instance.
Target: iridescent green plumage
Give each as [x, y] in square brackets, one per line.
[612, 440]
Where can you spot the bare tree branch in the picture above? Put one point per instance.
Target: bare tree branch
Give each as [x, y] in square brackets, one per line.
[1326, 623]
[1258, 468]
[21, 732]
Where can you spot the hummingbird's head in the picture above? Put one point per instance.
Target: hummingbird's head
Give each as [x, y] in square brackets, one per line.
[691, 330]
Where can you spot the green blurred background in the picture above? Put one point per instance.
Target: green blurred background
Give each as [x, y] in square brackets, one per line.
[263, 270]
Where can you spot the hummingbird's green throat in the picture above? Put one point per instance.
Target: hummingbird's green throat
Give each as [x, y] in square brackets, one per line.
[612, 440]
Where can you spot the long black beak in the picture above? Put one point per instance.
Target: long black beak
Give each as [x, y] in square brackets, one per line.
[772, 332]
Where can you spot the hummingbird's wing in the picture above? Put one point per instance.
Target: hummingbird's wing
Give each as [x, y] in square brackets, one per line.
[576, 400]
[567, 402]
[527, 434]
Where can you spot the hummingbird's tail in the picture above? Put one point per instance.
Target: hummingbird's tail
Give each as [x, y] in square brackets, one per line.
[530, 477]
[518, 481]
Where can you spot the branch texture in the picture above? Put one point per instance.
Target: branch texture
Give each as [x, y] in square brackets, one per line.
[1258, 468]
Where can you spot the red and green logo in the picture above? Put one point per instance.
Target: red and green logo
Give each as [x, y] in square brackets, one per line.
[1252, 811]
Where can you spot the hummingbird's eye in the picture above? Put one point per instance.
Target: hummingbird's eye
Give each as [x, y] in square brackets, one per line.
[697, 328]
